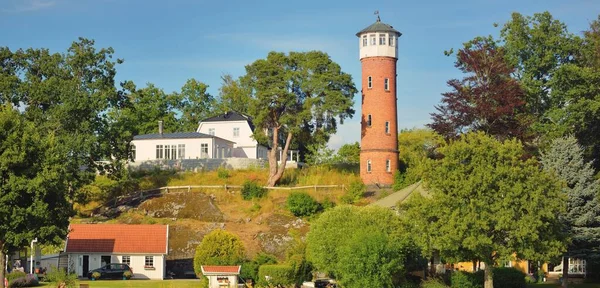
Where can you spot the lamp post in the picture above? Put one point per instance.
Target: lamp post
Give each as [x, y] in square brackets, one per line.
[31, 267]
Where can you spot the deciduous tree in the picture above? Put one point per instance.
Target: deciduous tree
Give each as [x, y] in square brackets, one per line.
[486, 203]
[219, 247]
[194, 103]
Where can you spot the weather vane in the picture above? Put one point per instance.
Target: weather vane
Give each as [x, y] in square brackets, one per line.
[377, 13]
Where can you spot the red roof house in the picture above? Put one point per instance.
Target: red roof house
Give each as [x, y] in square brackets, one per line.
[221, 276]
[142, 247]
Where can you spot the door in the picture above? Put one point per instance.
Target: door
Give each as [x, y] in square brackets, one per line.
[86, 265]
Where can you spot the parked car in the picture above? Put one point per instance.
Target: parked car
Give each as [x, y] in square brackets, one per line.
[111, 271]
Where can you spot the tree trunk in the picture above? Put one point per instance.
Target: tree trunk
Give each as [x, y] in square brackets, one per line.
[565, 278]
[488, 276]
[474, 266]
[275, 171]
[2, 267]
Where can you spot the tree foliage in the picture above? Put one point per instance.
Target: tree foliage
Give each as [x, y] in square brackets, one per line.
[349, 153]
[362, 247]
[487, 204]
[219, 247]
[415, 146]
[487, 99]
[194, 103]
[301, 94]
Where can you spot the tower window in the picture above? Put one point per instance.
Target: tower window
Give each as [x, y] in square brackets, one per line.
[387, 127]
[381, 39]
[368, 165]
[369, 120]
[388, 165]
[391, 40]
[364, 40]
[386, 84]
[370, 82]
[373, 39]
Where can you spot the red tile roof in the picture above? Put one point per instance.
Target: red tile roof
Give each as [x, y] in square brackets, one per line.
[220, 269]
[117, 238]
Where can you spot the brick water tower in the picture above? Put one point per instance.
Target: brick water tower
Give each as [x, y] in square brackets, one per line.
[379, 125]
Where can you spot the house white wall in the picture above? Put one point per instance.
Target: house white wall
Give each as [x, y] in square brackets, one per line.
[245, 146]
[137, 264]
[214, 283]
[145, 150]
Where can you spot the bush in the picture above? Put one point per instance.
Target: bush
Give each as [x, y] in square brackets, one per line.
[462, 279]
[29, 280]
[219, 247]
[302, 204]
[250, 269]
[276, 274]
[15, 274]
[60, 278]
[327, 203]
[354, 193]
[251, 190]
[433, 283]
[223, 173]
[96, 275]
[127, 275]
[509, 278]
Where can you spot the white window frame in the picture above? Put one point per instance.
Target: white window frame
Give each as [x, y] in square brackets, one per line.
[369, 82]
[181, 151]
[211, 131]
[167, 152]
[382, 39]
[369, 119]
[236, 132]
[387, 127]
[149, 262]
[369, 168]
[204, 150]
[386, 84]
[133, 152]
[159, 151]
[391, 40]
[388, 165]
[373, 39]
[126, 259]
[364, 41]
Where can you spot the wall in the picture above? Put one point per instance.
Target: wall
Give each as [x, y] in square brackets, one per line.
[378, 50]
[137, 264]
[146, 149]
[213, 283]
[199, 164]
[224, 130]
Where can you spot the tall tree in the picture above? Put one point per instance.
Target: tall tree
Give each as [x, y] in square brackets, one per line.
[219, 247]
[487, 99]
[194, 103]
[415, 146]
[233, 95]
[487, 204]
[582, 218]
[294, 95]
[349, 153]
[33, 185]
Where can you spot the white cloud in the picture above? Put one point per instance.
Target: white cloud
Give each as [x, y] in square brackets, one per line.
[30, 5]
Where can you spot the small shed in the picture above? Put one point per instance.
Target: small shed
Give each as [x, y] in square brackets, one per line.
[222, 276]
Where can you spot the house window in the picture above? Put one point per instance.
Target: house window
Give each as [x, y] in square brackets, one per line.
[173, 151]
[386, 84]
[364, 40]
[391, 40]
[388, 165]
[387, 127]
[236, 132]
[126, 260]
[211, 131]
[204, 150]
[149, 262]
[369, 120]
[159, 151]
[133, 152]
[382, 39]
[370, 82]
[181, 151]
[576, 266]
[373, 39]
[167, 151]
[369, 166]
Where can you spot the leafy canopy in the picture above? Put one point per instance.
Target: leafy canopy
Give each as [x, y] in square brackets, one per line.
[219, 247]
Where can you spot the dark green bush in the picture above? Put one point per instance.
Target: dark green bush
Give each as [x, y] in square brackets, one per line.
[327, 203]
[433, 283]
[462, 279]
[250, 268]
[251, 190]
[15, 274]
[277, 275]
[302, 204]
[509, 278]
[29, 280]
[354, 193]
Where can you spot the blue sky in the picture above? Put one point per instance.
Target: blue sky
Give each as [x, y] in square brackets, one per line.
[168, 42]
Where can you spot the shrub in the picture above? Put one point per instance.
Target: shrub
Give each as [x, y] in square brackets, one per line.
[15, 274]
[127, 275]
[223, 173]
[276, 274]
[250, 268]
[327, 203]
[462, 279]
[433, 283]
[60, 278]
[354, 193]
[219, 247]
[251, 190]
[302, 204]
[509, 278]
[29, 280]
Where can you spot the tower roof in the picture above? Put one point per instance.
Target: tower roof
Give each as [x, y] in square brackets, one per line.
[379, 27]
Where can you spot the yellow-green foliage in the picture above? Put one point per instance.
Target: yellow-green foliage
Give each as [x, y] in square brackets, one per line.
[219, 247]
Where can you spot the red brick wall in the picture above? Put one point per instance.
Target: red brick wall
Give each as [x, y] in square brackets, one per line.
[376, 144]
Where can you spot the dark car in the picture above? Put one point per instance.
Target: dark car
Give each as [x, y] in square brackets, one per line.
[111, 271]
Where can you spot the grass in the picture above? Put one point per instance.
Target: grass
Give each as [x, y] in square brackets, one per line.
[138, 283]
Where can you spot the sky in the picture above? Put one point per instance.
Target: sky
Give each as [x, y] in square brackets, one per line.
[167, 42]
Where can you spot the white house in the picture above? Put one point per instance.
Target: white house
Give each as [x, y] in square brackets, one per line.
[182, 145]
[237, 128]
[222, 276]
[142, 247]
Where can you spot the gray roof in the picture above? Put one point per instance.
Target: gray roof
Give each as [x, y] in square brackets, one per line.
[176, 135]
[231, 116]
[379, 27]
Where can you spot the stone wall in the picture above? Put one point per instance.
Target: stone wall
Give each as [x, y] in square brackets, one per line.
[207, 164]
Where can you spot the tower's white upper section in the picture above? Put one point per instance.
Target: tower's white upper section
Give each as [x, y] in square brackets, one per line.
[378, 40]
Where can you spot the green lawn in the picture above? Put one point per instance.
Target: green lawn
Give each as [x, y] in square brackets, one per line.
[139, 283]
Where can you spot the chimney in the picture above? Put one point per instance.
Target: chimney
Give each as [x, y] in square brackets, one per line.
[160, 127]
